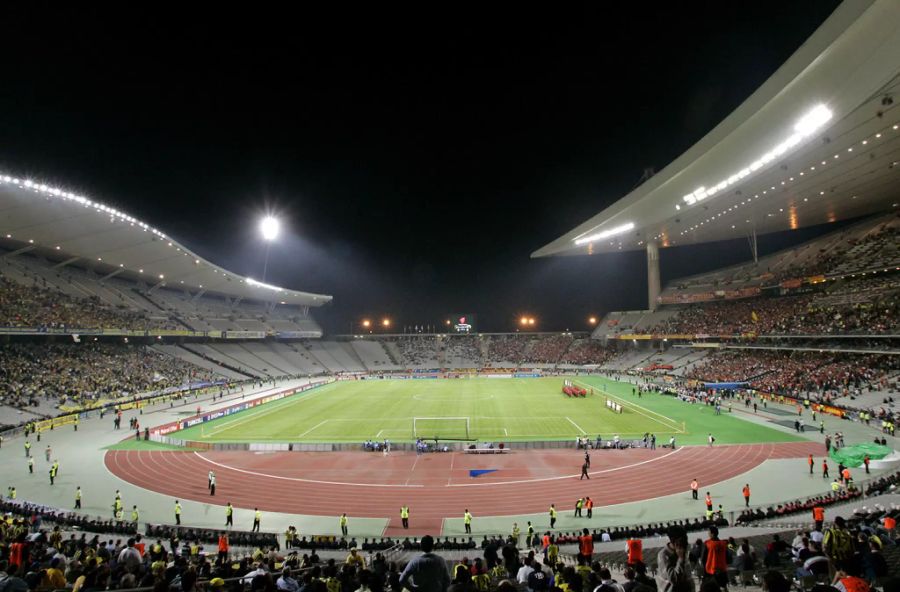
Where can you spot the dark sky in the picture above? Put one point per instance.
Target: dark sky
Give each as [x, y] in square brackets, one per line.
[418, 155]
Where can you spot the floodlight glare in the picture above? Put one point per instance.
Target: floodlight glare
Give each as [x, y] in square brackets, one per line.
[269, 227]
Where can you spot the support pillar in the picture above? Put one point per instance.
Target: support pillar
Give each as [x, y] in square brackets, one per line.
[652, 274]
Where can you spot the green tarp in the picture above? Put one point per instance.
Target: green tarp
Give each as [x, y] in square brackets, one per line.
[852, 456]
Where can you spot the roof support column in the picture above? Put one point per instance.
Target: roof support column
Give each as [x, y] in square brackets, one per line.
[652, 274]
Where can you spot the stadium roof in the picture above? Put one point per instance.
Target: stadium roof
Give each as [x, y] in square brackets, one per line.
[818, 142]
[76, 230]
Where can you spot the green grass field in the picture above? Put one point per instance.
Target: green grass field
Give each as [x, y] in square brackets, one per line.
[497, 409]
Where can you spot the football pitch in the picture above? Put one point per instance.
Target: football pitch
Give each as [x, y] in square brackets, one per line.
[485, 409]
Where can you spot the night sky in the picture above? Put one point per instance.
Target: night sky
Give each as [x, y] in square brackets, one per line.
[417, 156]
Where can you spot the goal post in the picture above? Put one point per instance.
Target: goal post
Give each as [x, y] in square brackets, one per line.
[441, 428]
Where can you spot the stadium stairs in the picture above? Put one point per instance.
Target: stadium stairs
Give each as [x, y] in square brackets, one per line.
[233, 368]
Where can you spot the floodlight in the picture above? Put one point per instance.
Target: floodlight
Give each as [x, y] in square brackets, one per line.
[269, 228]
[386, 322]
[366, 323]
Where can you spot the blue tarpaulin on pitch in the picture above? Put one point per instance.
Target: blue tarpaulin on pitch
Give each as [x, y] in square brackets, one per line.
[725, 385]
[478, 472]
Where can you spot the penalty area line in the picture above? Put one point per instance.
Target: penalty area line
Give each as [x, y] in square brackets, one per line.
[315, 427]
[577, 426]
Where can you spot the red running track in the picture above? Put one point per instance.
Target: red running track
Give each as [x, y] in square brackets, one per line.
[435, 486]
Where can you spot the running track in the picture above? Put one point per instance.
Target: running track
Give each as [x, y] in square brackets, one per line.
[435, 486]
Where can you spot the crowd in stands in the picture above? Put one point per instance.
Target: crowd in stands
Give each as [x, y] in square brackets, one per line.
[805, 314]
[506, 349]
[463, 349]
[45, 308]
[585, 352]
[547, 349]
[418, 351]
[79, 372]
[820, 376]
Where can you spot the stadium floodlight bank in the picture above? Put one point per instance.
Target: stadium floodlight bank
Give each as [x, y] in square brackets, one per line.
[441, 428]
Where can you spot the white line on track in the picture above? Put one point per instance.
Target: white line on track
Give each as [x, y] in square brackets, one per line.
[644, 462]
[299, 479]
[578, 427]
[318, 425]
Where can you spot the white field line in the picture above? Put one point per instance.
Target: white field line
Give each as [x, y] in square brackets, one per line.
[318, 425]
[242, 420]
[629, 405]
[378, 435]
[224, 466]
[644, 462]
[578, 427]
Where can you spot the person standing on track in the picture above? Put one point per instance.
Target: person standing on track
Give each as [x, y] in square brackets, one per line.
[177, 512]
[825, 468]
[695, 486]
[866, 463]
[587, 458]
[709, 502]
[257, 517]
[209, 479]
[552, 515]
[343, 522]
[579, 503]
[811, 463]
[229, 515]
[78, 497]
[589, 504]
[212, 485]
[31, 465]
[467, 521]
[746, 492]
[404, 516]
[584, 471]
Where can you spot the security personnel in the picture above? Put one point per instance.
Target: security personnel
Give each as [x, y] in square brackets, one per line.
[78, 497]
[31, 465]
[177, 512]
[552, 515]
[516, 532]
[695, 485]
[530, 536]
[229, 515]
[343, 523]
[135, 515]
[257, 516]
[708, 502]
[53, 470]
[404, 516]
[467, 521]
[589, 505]
[27, 449]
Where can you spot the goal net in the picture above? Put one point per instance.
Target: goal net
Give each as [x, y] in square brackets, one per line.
[442, 428]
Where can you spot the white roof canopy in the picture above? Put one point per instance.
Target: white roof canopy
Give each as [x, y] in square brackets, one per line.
[91, 234]
[818, 142]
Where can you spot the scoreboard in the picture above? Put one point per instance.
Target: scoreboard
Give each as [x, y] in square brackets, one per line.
[463, 323]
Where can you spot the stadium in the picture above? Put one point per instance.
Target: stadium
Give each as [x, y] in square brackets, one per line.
[149, 390]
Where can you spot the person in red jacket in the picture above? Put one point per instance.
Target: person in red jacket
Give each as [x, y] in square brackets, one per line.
[715, 558]
[586, 545]
[635, 549]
